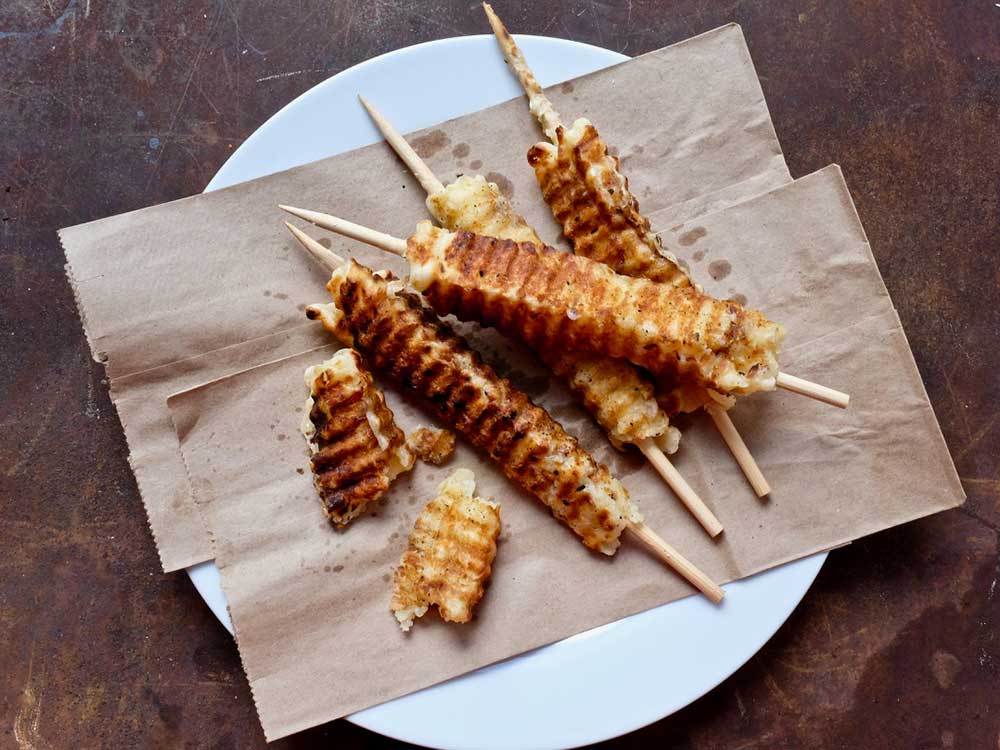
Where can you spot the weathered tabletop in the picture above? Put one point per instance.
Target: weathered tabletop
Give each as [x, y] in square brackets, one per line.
[110, 106]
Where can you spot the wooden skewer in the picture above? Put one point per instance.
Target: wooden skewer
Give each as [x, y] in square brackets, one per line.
[813, 390]
[324, 255]
[371, 237]
[679, 485]
[649, 449]
[646, 536]
[739, 449]
[655, 544]
[397, 246]
[540, 105]
[428, 180]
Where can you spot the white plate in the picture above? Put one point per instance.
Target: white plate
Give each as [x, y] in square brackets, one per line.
[595, 685]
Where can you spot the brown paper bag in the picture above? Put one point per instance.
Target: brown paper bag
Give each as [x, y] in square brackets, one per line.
[310, 604]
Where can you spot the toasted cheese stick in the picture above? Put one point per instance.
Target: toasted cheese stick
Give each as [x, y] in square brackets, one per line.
[591, 200]
[584, 187]
[357, 448]
[553, 300]
[612, 390]
[403, 338]
[450, 554]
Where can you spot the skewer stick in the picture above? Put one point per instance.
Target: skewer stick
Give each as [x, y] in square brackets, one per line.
[324, 255]
[428, 180]
[316, 250]
[739, 449]
[371, 237]
[539, 104]
[671, 557]
[813, 390]
[680, 486]
[649, 449]
[646, 536]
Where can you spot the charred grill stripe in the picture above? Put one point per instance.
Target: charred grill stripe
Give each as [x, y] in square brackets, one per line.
[351, 468]
[330, 456]
[583, 185]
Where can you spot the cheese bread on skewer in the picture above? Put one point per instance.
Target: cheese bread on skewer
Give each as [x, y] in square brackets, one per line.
[550, 299]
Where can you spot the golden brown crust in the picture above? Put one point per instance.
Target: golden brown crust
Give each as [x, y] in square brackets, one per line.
[431, 445]
[357, 448]
[473, 204]
[450, 554]
[591, 200]
[403, 338]
[559, 302]
[612, 390]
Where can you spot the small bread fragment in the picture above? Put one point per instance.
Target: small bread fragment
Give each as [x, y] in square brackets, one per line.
[450, 555]
[431, 445]
[475, 205]
[357, 448]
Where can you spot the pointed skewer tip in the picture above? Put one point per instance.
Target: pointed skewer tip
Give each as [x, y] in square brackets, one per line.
[321, 253]
[294, 211]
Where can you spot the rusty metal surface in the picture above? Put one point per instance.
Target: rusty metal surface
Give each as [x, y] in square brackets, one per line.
[111, 106]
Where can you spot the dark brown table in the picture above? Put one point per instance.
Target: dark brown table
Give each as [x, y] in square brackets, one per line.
[111, 106]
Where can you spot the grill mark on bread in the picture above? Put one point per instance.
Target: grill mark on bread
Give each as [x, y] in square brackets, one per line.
[590, 198]
[351, 467]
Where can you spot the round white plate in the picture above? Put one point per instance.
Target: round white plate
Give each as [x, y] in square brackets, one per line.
[595, 685]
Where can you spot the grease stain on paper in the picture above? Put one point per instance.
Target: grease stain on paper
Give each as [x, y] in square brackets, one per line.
[428, 145]
[719, 269]
[689, 238]
[505, 185]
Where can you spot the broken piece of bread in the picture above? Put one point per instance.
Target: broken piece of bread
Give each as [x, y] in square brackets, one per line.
[431, 445]
[357, 448]
[450, 554]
